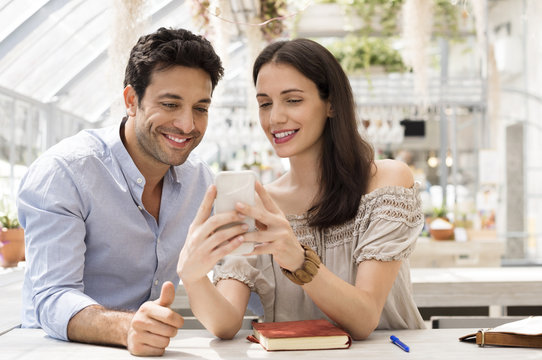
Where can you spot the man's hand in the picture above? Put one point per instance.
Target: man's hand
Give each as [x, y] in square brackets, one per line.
[154, 324]
[205, 245]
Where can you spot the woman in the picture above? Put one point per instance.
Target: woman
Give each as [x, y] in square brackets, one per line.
[359, 217]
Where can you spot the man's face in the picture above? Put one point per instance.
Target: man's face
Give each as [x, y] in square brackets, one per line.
[172, 117]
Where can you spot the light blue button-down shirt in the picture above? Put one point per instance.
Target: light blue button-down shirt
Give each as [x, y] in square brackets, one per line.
[89, 239]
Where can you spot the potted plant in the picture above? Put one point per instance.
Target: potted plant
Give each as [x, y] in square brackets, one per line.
[11, 235]
[440, 227]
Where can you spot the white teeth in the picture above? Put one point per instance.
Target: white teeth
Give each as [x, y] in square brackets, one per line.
[177, 140]
[284, 134]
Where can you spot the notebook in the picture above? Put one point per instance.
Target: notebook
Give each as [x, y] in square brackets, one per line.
[300, 335]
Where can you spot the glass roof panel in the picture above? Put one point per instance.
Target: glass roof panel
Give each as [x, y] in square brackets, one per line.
[56, 51]
[25, 60]
[86, 40]
[93, 93]
[14, 12]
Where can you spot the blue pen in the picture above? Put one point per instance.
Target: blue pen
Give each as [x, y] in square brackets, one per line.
[399, 343]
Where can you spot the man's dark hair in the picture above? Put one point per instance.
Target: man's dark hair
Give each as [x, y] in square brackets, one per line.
[169, 47]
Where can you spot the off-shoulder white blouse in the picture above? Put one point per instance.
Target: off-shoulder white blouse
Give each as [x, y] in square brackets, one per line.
[385, 228]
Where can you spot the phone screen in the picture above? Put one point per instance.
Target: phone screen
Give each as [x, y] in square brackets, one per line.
[233, 187]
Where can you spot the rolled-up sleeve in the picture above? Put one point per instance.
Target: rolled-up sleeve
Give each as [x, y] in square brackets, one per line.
[52, 215]
[244, 269]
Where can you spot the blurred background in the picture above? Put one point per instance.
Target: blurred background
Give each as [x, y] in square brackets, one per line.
[451, 87]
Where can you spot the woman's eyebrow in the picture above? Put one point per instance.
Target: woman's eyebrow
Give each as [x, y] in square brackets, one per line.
[282, 92]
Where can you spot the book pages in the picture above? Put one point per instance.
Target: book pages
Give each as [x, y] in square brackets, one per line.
[529, 326]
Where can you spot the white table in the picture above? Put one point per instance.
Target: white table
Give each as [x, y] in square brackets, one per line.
[433, 287]
[11, 286]
[494, 287]
[23, 344]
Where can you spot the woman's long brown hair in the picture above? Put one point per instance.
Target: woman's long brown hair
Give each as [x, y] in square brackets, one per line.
[346, 157]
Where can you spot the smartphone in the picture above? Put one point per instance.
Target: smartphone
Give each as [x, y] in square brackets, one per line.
[233, 187]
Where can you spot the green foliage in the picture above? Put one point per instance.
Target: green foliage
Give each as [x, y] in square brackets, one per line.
[446, 19]
[9, 222]
[8, 213]
[440, 212]
[386, 11]
[270, 9]
[357, 54]
[371, 44]
[445, 22]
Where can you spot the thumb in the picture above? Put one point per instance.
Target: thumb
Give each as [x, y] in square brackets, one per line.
[167, 295]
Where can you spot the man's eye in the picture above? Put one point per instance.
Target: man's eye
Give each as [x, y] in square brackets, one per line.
[169, 105]
[264, 105]
[202, 109]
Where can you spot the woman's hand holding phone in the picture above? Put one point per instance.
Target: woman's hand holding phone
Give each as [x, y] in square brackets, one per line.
[275, 235]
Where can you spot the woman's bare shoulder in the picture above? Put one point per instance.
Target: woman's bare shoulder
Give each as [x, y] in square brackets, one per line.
[390, 173]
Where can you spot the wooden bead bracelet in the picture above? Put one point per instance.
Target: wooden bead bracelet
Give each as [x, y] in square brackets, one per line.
[307, 271]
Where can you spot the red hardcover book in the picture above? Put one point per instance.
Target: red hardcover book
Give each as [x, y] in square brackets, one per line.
[300, 335]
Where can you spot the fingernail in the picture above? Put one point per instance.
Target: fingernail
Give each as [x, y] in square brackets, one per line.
[244, 227]
[240, 238]
[241, 216]
[240, 205]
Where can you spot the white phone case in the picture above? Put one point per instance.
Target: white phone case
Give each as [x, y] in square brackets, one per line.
[233, 187]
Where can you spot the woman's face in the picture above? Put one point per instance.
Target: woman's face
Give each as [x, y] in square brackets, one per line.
[292, 114]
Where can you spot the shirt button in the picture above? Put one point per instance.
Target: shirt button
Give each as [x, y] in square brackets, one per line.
[158, 240]
[139, 180]
[139, 207]
[155, 282]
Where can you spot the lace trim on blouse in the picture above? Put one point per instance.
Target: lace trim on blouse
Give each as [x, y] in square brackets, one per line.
[392, 203]
[219, 275]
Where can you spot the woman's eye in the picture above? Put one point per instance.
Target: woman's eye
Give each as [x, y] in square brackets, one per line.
[294, 100]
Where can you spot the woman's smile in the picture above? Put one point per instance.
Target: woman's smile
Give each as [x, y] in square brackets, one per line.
[283, 136]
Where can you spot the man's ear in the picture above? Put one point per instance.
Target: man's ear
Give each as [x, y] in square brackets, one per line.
[130, 100]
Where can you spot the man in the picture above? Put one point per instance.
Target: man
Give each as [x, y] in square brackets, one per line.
[106, 212]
